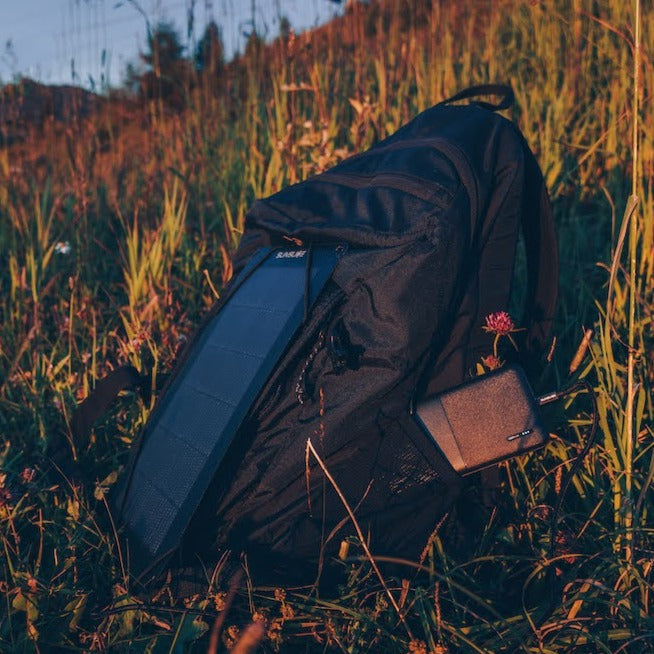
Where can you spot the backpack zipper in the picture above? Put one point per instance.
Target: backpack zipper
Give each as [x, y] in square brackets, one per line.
[398, 181]
[454, 155]
[301, 391]
[316, 332]
[451, 153]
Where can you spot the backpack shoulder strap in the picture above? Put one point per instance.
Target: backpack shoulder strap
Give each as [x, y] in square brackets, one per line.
[542, 259]
[489, 288]
[538, 231]
[102, 396]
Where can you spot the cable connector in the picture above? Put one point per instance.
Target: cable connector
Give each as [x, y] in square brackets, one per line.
[549, 397]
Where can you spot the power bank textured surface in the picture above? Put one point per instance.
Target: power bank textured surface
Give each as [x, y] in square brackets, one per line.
[482, 422]
[201, 413]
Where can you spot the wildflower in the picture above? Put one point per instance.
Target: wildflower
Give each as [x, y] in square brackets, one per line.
[138, 340]
[274, 632]
[417, 647]
[499, 323]
[5, 497]
[27, 475]
[231, 636]
[5, 493]
[287, 611]
[62, 247]
[190, 601]
[220, 601]
[492, 362]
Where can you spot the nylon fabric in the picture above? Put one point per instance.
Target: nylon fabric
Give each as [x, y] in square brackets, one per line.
[421, 275]
[430, 217]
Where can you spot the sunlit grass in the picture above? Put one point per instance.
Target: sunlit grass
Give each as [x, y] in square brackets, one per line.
[115, 237]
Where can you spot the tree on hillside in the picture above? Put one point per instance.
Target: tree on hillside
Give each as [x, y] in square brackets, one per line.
[285, 27]
[165, 50]
[210, 52]
[167, 73]
[254, 46]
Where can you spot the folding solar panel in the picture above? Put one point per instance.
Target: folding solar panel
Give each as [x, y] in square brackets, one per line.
[197, 420]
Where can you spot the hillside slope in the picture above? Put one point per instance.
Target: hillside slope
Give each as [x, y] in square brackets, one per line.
[117, 222]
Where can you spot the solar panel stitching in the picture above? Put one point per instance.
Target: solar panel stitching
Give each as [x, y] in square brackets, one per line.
[158, 521]
[184, 441]
[179, 437]
[162, 516]
[169, 490]
[240, 305]
[220, 346]
[161, 425]
[161, 493]
[195, 389]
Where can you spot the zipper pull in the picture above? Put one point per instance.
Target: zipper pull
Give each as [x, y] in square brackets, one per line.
[302, 390]
[341, 350]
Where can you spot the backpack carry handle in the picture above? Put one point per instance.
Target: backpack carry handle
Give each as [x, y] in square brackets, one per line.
[502, 90]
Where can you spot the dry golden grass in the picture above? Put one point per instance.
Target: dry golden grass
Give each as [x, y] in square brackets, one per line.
[116, 231]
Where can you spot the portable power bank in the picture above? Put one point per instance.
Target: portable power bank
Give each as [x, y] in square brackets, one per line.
[489, 419]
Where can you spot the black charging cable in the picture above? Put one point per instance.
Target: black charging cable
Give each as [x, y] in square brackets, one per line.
[579, 459]
[582, 385]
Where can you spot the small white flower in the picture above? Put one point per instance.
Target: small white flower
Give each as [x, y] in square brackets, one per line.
[63, 247]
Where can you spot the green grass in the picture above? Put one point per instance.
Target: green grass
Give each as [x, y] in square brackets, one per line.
[116, 233]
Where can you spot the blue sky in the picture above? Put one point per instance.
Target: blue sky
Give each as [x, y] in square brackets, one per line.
[87, 41]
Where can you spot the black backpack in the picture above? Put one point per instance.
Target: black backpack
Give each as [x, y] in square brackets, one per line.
[406, 249]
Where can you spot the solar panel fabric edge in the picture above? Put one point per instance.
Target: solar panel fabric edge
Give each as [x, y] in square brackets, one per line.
[167, 486]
